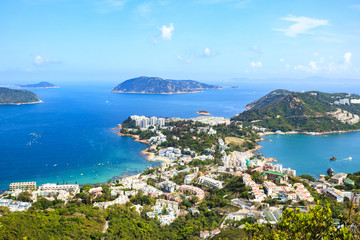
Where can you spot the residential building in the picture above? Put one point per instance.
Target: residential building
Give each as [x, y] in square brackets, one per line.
[24, 186]
[211, 182]
[338, 179]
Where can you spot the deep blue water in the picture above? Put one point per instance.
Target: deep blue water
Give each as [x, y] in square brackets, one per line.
[69, 134]
[311, 154]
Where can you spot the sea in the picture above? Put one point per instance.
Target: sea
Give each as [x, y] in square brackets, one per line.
[69, 137]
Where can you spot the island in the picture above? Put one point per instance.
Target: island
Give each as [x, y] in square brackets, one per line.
[38, 85]
[304, 112]
[156, 85]
[202, 112]
[17, 97]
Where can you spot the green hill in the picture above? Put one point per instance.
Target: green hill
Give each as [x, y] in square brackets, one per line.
[11, 96]
[303, 111]
[155, 85]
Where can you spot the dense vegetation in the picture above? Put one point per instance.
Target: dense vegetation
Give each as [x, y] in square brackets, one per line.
[11, 96]
[294, 111]
[155, 85]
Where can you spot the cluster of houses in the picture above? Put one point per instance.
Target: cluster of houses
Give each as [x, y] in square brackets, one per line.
[14, 205]
[165, 211]
[345, 116]
[347, 101]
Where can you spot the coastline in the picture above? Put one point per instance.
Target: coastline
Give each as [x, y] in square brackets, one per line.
[306, 133]
[150, 155]
[18, 104]
[156, 93]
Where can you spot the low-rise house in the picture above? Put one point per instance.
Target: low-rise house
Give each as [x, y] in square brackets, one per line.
[210, 182]
[334, 194]
[73, 188]
[275, 176]
[189, 178]
[198, 192]
[122, 199]
[204, 234]
[338, 179]
[168, 186]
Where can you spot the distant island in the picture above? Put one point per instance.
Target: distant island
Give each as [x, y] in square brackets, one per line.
[17, 97]
[312, 111]
[155, 85]
[202, 112]
[38, 85]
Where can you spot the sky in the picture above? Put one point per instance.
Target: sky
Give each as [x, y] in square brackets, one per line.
[205, 40]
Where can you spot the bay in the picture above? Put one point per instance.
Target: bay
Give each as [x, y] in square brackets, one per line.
[69, 137]
[309, 154]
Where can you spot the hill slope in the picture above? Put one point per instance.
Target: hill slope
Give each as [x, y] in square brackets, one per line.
[305, 111]
[17, 97]
[38, 85]
[155, 85]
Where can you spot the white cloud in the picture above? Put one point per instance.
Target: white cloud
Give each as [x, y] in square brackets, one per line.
[41, 61]
[256, 64]
[167, 32]
[356, 6]
[256, 49]
[331, 66]
[313, 66]
[143, 9]
[183, 60]
[302, 25]
[347, 58]
[287, 65]
[282, 60]
[107, 6]
[207, 52]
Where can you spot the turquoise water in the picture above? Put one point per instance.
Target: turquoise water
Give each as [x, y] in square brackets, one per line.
[64, 138]
[311, 154]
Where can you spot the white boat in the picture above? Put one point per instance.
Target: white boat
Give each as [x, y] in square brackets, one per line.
[350, 158]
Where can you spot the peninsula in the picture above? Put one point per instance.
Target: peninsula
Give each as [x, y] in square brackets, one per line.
[17, 97]
[156, 85]
[312, 111]
[38, 85]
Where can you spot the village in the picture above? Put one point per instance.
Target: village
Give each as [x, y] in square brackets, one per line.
[216, 172]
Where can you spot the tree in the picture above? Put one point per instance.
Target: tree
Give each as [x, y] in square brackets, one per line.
[315, 224]
[24, 196]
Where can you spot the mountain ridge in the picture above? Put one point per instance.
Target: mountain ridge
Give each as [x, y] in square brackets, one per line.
[17, 97]
[311, 111]
[156, 85]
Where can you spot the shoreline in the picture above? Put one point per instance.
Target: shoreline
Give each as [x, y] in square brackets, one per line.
[18, 104]
[150, 156]
[305, 133]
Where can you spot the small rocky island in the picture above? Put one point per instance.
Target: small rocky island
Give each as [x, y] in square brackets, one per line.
[17, 97]
[156, 85]
[202, 112]
[38, 85]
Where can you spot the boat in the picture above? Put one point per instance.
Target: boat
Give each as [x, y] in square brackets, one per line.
[81, 174]
[332, 158]
[99, 164]
[330, 172]
[55, 165]
[350, 158]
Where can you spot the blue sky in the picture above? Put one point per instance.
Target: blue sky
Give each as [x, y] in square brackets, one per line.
[214, 40]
